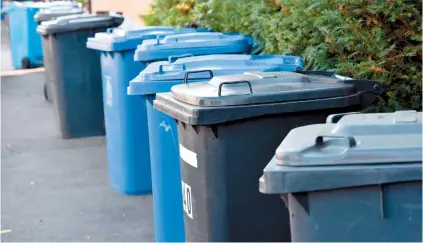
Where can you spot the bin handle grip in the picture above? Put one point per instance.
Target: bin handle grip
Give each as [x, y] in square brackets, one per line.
[170, 65]
[158, 38]
[351, 140]
[171, 59]
[199, 71]
[219, 92]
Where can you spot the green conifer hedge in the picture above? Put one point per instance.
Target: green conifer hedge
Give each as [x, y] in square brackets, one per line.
[367, 39]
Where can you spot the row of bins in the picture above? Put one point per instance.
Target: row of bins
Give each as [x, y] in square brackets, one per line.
[192, 117]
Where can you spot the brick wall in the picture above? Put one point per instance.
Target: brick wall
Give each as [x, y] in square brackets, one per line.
[129, 8]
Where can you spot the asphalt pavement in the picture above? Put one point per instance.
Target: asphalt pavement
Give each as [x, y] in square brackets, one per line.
[54, 189]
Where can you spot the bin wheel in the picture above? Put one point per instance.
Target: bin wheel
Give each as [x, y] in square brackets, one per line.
[46, 94]
[25, 63]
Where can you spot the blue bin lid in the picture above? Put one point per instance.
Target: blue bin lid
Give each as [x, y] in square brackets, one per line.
[161, 76]
[193, 43]
[119, 39]
[40, 5]
[358, 150]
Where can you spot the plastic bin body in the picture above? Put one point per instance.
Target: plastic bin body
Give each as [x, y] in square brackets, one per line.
[127, 146]
[45, 15]
[223, 150]
[25, 43]
[77, 95]
[401, 221]
[125, 116]
[162, 129]
[374, 195]
[1, 8]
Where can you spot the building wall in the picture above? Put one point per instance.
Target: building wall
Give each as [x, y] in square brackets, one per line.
[130, 8]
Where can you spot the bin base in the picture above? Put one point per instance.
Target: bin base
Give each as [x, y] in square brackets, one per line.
[132, 193]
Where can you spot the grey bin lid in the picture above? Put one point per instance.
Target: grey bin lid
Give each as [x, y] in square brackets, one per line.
[77, 22]
[54, 12]
[234, 97]
[361, 149]
[259, 87]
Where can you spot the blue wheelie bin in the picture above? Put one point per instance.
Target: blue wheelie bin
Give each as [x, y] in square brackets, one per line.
[126, 126]
[25, 43]
[162, 129]
[355, 180]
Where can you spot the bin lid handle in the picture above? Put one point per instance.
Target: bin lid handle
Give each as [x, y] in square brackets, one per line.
[219, 91]
[198, 71]
[172, 59]
[170, 65]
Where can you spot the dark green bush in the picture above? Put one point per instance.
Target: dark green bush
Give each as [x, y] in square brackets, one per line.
[367, 39]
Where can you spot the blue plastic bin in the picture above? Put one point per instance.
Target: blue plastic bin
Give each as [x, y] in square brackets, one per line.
[164, 146]
[125, 120]
[24, 41]
[355, 180]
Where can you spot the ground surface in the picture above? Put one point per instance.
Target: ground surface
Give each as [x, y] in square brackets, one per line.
[54, 189]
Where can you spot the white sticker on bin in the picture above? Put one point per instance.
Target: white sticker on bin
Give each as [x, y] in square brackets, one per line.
[188, 156]
[187, 199]
[109, 90]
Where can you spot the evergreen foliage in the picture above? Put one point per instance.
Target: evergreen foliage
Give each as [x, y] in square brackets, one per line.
[366, 39]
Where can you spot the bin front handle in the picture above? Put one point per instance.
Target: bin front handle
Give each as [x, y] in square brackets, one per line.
[199, 71]
[171, 59]
[219, 92]
[351, 140]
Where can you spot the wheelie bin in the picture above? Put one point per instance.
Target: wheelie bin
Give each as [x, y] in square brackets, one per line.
[25, 43]
[75, 72]
[126, 129]
[228, 129]
[50, 14]
[163, 138]
[357, 180]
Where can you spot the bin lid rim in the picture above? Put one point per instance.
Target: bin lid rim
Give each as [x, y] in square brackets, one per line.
[120, 34]
[218, 63]
[259, 88]
[193, 40]
[49, 15]
[75, 22]
[356, 139]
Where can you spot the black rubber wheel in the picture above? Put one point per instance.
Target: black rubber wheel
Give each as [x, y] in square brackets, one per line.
[46, 94]
[25, 63]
